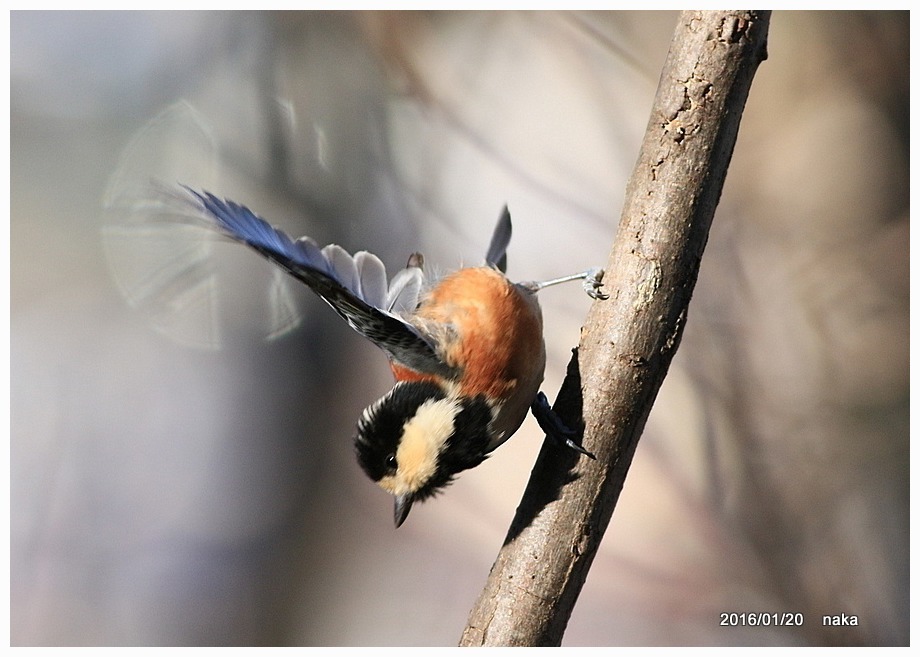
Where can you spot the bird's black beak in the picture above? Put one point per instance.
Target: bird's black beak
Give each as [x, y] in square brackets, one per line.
[401, 508]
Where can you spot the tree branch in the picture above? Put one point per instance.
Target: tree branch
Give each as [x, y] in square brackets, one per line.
[628, 341]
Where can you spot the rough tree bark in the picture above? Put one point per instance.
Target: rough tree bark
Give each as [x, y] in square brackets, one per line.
[628, 341]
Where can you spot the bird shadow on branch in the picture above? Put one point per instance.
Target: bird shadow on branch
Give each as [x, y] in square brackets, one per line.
[548, 478]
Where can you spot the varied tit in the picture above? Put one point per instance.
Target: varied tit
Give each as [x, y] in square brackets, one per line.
[467, 354]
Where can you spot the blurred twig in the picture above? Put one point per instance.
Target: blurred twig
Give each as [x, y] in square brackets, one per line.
[629, 340]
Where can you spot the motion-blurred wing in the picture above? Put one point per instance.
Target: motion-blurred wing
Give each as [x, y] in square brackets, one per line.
[355, 286]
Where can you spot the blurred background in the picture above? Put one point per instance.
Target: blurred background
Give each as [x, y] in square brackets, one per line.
[179, 479]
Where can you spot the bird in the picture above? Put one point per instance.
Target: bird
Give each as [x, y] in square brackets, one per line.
[467, 352]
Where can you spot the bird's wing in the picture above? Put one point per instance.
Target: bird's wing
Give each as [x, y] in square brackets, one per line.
[355, 286]
[496, 256]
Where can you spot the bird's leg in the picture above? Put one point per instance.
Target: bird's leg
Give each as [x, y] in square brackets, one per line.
[592, 282]
[554, 427]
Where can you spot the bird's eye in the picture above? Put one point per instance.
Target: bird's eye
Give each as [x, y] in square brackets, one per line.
[391, 462]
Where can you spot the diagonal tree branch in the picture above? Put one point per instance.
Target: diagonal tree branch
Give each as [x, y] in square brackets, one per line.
[628, 341]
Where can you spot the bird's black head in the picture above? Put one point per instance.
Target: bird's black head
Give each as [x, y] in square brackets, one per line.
[415, 439]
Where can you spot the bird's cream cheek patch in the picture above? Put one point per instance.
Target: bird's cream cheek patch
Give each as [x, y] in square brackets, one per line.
[423, 439]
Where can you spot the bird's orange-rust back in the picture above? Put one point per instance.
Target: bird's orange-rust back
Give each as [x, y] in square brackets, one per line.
[494, 332]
